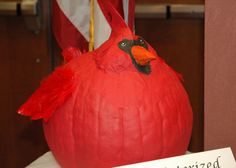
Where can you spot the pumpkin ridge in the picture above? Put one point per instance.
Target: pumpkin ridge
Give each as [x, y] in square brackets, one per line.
[153, 113]
[73, 119]
[155, 117]
[98, 132]
[79, 114]
[121, 114]
[102, 78]
[121, 111]
[172, 98]
[141, 132]
[84, 111]
[178, 105]
[162, 128]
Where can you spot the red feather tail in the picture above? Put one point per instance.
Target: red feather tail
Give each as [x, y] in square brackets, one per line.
[52, 93]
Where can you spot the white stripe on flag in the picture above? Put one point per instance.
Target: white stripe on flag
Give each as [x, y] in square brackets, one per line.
[78, 12]
[126, 11]
[101, 26]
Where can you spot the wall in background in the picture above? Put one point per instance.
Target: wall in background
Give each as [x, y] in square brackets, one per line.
[25, 60]
[220, 74]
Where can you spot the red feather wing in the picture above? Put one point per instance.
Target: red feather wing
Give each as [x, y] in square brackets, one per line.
[51, 94]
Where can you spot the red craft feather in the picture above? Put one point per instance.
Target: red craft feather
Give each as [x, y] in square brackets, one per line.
[52, 93]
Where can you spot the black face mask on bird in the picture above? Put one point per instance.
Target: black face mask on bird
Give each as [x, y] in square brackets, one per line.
[138, 51]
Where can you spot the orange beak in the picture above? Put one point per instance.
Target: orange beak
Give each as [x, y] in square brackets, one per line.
[141, 55]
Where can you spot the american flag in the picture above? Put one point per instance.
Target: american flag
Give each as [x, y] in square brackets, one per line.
[71, 22]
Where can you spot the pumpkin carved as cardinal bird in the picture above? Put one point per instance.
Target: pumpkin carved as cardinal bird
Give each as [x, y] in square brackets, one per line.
[117, 105]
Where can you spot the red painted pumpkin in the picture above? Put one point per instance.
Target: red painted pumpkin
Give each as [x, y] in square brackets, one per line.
[118, 105]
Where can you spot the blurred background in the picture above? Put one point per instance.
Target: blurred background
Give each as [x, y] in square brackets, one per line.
[29, 52]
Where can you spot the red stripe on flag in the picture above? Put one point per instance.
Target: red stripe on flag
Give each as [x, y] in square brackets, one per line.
[131, 14]
[66, 34]
[118, 5]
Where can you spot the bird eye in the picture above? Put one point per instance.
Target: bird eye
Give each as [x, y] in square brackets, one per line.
[141, 41]
[123, 44]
